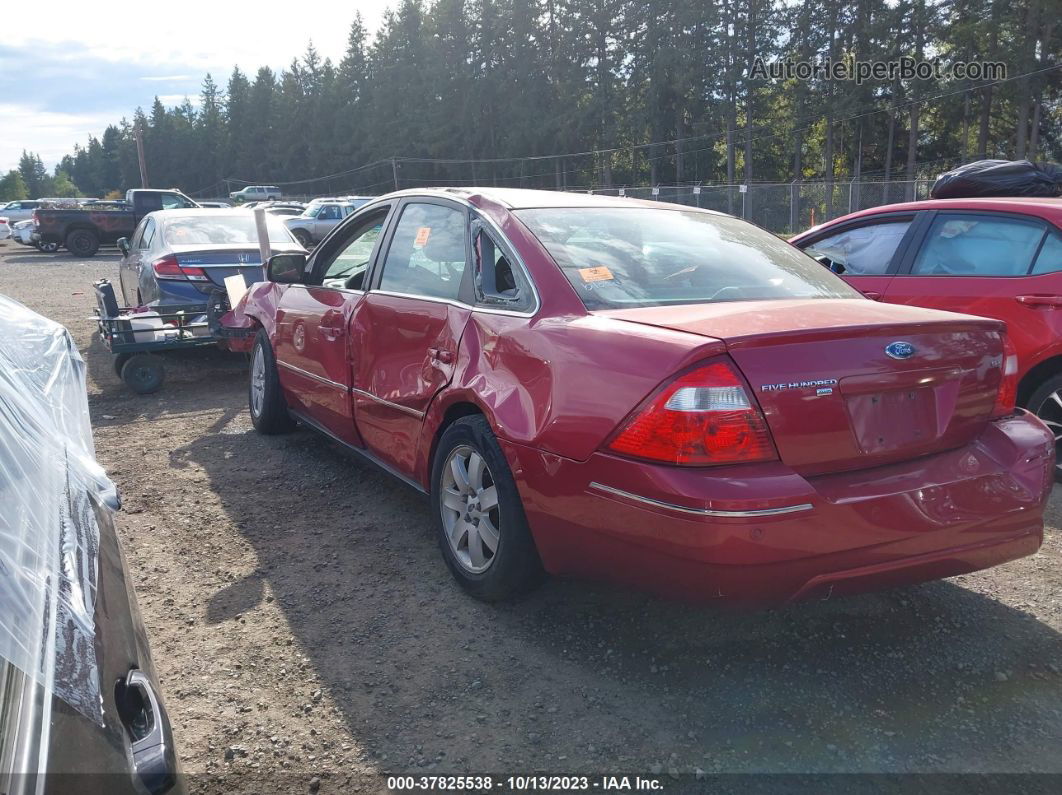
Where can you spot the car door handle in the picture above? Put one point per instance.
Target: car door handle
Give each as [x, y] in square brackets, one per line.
[441, 355]
[872, 294]
[331, 333]
[1040, 300]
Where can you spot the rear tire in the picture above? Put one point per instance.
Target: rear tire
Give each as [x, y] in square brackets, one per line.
[82, 243]
[144, 373]
[479, 509]
[265, 400]
[1046, 403]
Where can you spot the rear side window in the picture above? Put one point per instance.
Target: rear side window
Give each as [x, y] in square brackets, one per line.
[960, 244]
[862, 251]
[1049, 260]
[617, 258]
[427, 255]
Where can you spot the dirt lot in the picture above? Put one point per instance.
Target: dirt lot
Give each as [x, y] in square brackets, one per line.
[308, 634]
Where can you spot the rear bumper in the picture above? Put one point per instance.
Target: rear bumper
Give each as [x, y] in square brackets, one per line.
[764, 533]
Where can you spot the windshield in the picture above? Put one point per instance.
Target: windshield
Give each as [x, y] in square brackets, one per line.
[222, 229]
[623, 257]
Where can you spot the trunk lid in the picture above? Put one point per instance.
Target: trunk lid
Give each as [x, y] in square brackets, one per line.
[220, 262]
[834, 398]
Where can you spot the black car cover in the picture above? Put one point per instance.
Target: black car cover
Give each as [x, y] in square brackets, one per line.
[999, 178]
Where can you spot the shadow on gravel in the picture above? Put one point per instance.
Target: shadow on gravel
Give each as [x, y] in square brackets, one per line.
[197, 379]
[61, 259]
[580, 677]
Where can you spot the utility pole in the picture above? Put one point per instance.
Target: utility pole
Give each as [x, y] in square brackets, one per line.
[394, 172]
[140, 155]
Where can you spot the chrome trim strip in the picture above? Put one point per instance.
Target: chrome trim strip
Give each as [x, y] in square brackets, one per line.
[806, 506]
[411, 412]
[319, 378]
[453, 302]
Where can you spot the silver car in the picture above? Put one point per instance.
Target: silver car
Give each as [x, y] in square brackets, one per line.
[319, 219]
[20, 210]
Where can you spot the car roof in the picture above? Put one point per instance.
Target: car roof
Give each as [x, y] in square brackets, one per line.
[210, 213]
[1040, 206]
[526, 198]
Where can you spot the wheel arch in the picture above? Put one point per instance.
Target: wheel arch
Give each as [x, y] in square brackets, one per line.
[444, 412]
[1037, 374]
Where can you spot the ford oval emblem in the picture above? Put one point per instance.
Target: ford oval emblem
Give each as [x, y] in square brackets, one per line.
[900, 350]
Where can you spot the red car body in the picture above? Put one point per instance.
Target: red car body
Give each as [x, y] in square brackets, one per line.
[1015, 278]
[870, 470]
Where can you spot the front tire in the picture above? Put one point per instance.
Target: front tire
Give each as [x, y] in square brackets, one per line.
[479, 517]
[47, 248]
[1046, 403]
[269, 410]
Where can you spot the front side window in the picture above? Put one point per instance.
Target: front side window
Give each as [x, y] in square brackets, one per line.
[348, 268]
[617, 258]
[862, 251]
[149, 233]
[138, 235]
[978, 245]
[427, 255]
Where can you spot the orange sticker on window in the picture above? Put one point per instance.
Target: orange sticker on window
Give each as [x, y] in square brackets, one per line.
[598, 274]
[423, 233]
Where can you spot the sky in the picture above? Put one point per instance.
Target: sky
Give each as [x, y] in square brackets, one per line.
[95, 63]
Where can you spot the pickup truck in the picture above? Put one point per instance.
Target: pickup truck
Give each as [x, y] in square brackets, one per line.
[82, 231]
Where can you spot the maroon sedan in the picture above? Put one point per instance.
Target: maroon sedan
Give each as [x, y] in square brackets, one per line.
[649, 394]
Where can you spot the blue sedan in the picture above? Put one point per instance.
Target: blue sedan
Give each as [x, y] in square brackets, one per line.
[177, 257]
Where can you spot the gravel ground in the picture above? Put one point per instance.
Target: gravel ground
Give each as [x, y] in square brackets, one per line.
[309, 637]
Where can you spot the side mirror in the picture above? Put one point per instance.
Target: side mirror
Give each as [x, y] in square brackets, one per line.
[123, 245]
[286, 268]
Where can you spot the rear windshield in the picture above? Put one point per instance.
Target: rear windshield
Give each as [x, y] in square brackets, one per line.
[221, 229]
[630, 257]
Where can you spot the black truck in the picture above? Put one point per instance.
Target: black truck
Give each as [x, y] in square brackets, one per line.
[83, 230]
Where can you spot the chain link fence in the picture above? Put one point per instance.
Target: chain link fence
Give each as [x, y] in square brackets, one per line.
[784, 208]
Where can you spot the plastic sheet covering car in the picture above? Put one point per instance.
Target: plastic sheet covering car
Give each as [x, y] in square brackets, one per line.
[49, 538]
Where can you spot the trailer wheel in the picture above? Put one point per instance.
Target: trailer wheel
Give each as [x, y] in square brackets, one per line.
[82, 243]
[143, 373]
[119, 362]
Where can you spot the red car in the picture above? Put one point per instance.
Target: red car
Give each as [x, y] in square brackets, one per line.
[646, 393]
[999, 258]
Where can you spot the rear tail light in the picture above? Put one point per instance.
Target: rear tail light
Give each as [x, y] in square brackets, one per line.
[169, 268]
[1007, 397]
[36, 220]
[703, 417]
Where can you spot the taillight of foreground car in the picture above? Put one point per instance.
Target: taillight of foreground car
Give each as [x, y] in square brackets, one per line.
[169, 268]
[703, 417]
[1007, 397]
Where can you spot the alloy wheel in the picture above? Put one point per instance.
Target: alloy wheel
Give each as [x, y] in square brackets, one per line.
[1050, 411]
[469, 506]
[257, 382]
